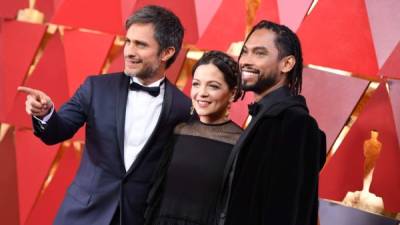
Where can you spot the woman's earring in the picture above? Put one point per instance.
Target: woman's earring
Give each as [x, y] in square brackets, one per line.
[191, 110]
[227, 110]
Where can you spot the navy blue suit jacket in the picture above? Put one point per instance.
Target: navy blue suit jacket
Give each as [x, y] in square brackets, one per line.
[101, 183]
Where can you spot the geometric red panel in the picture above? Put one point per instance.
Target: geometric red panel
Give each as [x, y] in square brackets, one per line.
[188, 86]
[232, 14]
[127, 8]
[386, 182]
[268, 10]
[292, 13]
[384, 18]
[8, 180]
[331, 99]
[391, 68]
[102, 15]
[9, 9]
[33, 162]
[344, 171]
[186, 12]
[205, 11]
[117, 64]
[394, 95]
[239, 110]
[17, 53]
[173, 71]
[48, 203]
[85, 55]
[49, 76]
[337, 35]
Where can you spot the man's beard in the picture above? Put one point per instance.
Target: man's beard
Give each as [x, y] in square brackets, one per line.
[146, 72]
[263, 83]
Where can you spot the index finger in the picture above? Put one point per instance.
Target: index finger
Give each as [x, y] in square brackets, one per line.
[28, 90]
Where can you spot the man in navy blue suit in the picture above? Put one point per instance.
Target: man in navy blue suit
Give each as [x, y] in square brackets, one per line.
[129, 117]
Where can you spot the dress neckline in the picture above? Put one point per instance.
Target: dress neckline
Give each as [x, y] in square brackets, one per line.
[214, 124]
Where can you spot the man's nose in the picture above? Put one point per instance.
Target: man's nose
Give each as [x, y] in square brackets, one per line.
[245, 61]
[130, 51]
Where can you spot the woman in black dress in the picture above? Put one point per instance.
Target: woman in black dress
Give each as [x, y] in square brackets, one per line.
[188, 183]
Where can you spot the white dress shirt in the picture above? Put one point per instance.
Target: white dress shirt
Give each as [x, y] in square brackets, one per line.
[141, 117]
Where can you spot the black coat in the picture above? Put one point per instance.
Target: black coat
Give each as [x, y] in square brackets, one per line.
[101, 183]
[279, 159]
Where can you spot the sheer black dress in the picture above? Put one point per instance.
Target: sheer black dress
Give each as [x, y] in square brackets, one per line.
[188, 183]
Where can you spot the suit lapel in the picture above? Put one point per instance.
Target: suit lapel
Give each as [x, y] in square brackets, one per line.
[121, 99]
[164, 115]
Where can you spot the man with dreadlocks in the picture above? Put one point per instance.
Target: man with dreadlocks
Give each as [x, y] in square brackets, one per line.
[274, 174]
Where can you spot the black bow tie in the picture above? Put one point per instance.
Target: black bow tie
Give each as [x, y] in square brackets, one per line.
[253, 108]
[153, 91]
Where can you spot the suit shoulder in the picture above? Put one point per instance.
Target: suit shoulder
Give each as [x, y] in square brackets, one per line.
[298, 113]
[179, 94]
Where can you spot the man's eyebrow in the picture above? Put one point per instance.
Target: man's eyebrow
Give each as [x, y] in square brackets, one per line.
[260, 48]
[141, 42]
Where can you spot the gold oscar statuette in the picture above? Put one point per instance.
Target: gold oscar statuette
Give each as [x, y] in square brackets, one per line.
[364, 199]
[30, 15]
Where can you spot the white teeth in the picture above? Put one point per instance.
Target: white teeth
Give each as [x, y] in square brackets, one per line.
[248, 74]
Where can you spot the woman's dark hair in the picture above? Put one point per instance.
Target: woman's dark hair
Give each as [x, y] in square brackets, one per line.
[287, 43]
[227, 65]
[168, 30]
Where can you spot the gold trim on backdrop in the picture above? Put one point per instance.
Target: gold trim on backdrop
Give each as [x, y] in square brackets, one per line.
[194, 54]
[251, 12]
[77, 148]
[4, 127]
[372, 86]
[113, 53]
[313, 4]
[53, 169]
[86, 30]
[119, 41]
[343, 72]
[235, 48]
[51, 29]
[329, 70]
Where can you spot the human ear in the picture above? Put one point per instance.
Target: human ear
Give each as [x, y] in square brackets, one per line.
[167, 53]
[233, 94]
[287, 63]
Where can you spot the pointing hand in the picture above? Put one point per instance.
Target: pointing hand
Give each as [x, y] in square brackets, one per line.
[37, 102]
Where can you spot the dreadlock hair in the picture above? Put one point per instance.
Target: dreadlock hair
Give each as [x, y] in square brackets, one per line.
[227, 65]
[287, 43]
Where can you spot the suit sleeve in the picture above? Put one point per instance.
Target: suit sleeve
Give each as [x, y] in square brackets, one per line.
[290, 193]
[63, 124]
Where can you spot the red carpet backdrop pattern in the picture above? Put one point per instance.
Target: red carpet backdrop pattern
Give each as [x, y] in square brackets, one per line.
[351, 81]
